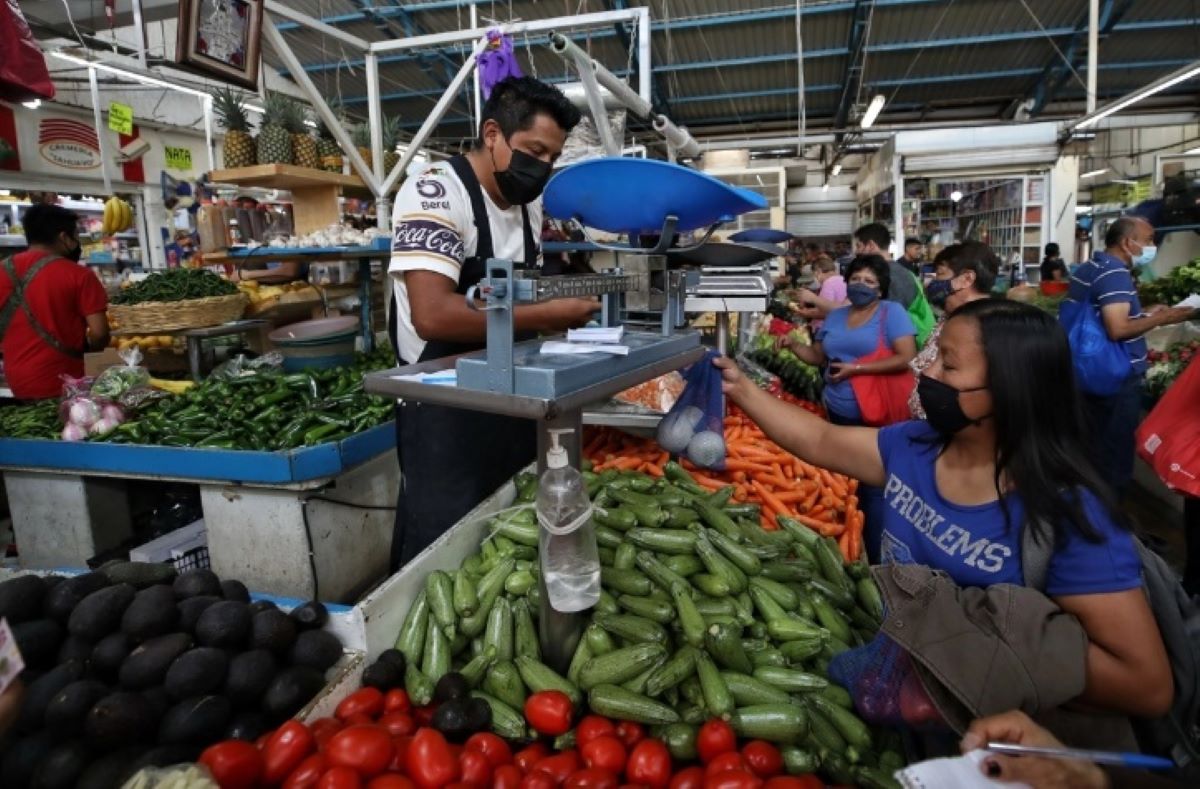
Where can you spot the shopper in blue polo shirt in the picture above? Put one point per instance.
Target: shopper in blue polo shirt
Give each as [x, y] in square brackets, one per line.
[1105, 282]
[994, 457]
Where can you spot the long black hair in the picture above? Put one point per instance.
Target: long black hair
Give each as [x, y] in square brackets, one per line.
[1040, 436]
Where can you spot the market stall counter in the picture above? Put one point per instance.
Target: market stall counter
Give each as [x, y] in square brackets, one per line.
[304, 522]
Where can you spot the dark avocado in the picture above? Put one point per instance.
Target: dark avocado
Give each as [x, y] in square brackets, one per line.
[74, 648]
[450, 687]
[455, 719]
[140, 575]
[317, 649]
[118, 720]
[22, 758]
[194, 583]
[159, 702]
[67, 711]
[224, 624]
[162, 756]
[39, 641]
[196, 672]
[479, 715]
[248, 725]
[152, 613]
[394, 657]
[236, 591]
[64, 596]
[250, 673]
[291, 690]
[310, 616]
[21, 598]
[147, 665]
[273, 630]
[199, 720]
[100, 613]
[190, 610]
[62, 766]
[108, 655]
[258, 606]
[384, 676]
[105, 772]
[39, 693]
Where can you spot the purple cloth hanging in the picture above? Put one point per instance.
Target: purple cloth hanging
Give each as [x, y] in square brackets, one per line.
[497, 62]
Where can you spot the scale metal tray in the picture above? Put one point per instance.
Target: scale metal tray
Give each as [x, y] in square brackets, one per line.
[551, 376]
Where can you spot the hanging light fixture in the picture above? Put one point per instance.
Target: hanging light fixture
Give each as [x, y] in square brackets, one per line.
[873, 110]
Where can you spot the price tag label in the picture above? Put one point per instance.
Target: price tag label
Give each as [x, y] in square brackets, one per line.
[178, 158]
[120, 118]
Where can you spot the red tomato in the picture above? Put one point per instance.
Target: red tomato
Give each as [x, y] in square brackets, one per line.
[559, 766]
[398, 724]
[691, 778]
[549, 712]
[359, 719]
[538, 780]
[308, 773]
[526, 758]
[605, 752]
[591, 778]
[630, 733]
[476, 769]
[396, 700]
[321, 725]
[715, 738]
[390, 781]
[461, 785]
[364, 701]
[340, 778]
[762, 758]
[234, 764]
[494, 748]
[431, 763]
[730, 760]
[650, 764]
[424, 715]
[794, 782]
[399, 762]
[732, 779]
[591, 727]
[367, 749]
[507, 776]
[284, 750]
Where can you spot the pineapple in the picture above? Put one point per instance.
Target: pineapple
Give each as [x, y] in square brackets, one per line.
[391, 138]
[239, 150]
[304, 146]
[361, 136]
[274, 141]
[328, 149]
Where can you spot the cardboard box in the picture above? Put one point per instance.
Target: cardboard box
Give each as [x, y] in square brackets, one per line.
[96, 363]
[171, 545]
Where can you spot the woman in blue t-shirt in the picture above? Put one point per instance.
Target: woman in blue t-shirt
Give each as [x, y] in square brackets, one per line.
[998, 455]
[852, 332]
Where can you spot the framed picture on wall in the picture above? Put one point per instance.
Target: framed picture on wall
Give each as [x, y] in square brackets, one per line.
[221, 39]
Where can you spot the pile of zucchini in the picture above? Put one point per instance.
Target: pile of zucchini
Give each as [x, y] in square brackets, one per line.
[702, 614]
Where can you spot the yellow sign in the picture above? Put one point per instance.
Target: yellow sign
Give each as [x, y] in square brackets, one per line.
[178, 158]
[120, 118]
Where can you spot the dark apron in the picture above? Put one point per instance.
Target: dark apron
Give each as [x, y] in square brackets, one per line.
[16, 300]
[451, 458]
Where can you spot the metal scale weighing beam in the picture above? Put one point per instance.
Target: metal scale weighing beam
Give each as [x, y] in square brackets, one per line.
[517, 380]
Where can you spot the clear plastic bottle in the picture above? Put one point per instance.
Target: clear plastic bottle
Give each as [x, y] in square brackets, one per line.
[570, 560]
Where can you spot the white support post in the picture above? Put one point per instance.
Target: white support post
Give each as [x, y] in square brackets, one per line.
[375, 116]
[478, 86]
[139, 32]
[434, 117]
[644, 55]
[100, 130]
[296, 69]
[601, 19]
[279, 9]
[1093, 54]
[206, 104]
[591, 91]
[570, 52]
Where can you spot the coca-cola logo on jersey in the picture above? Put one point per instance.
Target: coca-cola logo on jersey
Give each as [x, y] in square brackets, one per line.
[428, 236]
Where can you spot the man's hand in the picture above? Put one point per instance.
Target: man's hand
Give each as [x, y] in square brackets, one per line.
[1173, 315]
[733, 383]
[807, 297]
[571, 313]
[1017, 728]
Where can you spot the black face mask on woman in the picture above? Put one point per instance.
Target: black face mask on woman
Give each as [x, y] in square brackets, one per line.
[942, 409]
[524, 179]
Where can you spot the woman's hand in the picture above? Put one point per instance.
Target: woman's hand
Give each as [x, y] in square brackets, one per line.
[1017, 728]
[733, 383]
[785, 343]
[841, 371]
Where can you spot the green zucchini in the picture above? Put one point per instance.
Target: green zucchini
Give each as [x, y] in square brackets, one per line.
[768, 657]
[838, 695]
[691, 621]
[780, 592]
[715, 518]
[499, 630]
[439, 590]
[790, 680]
[869, 597]
[648, 607]
[598, 640]
[787, 571]
[477, 667]
[748, 690]
[711, 585]
[658, 572]
[679, 667]
[831, 619]
[719, 566]
[674, 541]
[418, 686]
[537, 676]
[711, 606]
[504, 682]
[613, 701]
[724, 644]
[745, 560]
[465, 598]
[634, 629]
[525, 637]
[618, 518]
[838, 594]
[625, 581]
[679, 517]
[780, 723]
[801, 649]
[624, 558]
[606, 537]
[436, 661]
[686, 566]
[411, 640]
[680, 739]
[846, 722]
[506, 721]
[717, 698]
[638, 683]
[821, 733]
[519, 583]
[620, 665]
[797, 761]
[583, 654]
[792, 628]
[608, 603]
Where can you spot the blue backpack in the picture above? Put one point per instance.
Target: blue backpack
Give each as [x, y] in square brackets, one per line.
[1101, 364]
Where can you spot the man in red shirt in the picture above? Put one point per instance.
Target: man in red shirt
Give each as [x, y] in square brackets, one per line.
[51, 308]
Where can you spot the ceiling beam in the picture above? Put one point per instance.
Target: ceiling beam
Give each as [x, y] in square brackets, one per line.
[1110, 14]
[852, 75]
[659, 94]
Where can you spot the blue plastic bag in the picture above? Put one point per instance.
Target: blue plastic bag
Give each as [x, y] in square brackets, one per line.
[884, 686]
[1101, 364]
[695, 426]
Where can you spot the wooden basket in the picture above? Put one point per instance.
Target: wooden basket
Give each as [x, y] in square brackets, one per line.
[153, 317]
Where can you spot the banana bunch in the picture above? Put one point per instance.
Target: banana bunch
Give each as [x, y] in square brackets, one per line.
[118, 216]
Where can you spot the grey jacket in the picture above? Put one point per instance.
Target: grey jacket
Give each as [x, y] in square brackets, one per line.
[982, 651]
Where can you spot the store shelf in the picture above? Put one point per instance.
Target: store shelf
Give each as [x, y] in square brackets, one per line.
[283, 176]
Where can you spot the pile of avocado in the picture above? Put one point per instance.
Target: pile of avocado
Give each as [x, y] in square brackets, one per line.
[133, 666]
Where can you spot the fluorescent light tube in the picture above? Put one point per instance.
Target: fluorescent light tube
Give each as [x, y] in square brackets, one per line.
[33, 104]
[873, 110]
[132, 75]
[1171, 80]
[1094, 173]
[837, 169]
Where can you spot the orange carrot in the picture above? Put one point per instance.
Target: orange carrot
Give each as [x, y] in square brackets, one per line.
[768, 498]
[844, 545]
[836, 486]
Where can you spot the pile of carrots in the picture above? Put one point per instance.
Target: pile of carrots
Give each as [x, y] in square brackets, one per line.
[760, 472]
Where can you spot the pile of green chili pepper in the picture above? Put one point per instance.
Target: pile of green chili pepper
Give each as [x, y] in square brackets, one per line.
[265, 411]
[176, 284]
[32, 420]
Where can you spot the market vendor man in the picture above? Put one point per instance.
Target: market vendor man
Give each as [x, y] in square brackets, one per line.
[51, 308]
[447, 222]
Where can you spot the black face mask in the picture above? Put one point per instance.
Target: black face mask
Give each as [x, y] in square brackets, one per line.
[524, 179]
[75, 254]
[942, 410]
